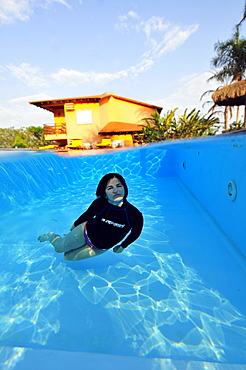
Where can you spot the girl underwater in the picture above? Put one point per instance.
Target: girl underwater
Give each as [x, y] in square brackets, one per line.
[109, 219]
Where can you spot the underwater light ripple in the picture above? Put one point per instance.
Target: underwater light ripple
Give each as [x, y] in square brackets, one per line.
[128, 291]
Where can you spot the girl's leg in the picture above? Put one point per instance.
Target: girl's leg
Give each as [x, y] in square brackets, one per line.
[82, 253]
[73, 240]
[73, 245]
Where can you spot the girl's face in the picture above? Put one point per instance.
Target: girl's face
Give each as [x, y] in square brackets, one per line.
[115, 191]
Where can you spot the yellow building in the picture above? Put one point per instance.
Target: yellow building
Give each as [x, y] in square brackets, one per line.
[82, 120]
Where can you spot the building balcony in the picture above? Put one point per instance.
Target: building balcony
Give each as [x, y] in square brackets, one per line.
[57, 129]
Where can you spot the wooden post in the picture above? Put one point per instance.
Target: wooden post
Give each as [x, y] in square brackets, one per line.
[226, 116]
[244, 116]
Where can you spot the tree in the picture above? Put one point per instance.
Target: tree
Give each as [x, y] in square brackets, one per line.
[157, 128]
[34, 136]
[7, 137]
[236, 126]
[243, 18]
[19, 142]
[227, 109]
[231, 61]
[190, 124]
[29, 137]
[231, 58]
[36, 131]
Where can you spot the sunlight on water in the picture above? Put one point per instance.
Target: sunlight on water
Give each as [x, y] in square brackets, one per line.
[9, 357]
[143, 302]
[162, 308]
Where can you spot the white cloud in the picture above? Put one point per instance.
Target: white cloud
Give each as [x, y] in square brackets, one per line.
[188, 96]
[24, 100]
[164, 37]
[189, 93]
[141, 67]
[19, 113]
[73, 78]
[31, 76]
[160, 36]
[22, 10]
[124, 20]
[173, 39]
[154, 24]
[13, 115]
[130, 14]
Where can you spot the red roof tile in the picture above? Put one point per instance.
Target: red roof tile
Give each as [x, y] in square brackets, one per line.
[120, 127]
[48, 104]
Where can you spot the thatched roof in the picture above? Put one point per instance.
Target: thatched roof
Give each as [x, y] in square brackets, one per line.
[234, 94]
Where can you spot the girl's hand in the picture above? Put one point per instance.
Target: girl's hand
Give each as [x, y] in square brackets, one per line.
[118, 249]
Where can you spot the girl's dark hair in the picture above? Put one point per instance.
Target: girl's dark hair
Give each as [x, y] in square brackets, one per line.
[101, 187]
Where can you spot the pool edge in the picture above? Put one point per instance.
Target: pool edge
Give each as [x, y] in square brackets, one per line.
[25, 358]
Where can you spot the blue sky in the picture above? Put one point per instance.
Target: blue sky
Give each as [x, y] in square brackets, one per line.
[156, 51]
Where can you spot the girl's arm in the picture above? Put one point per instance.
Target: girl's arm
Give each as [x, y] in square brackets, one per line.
[89, 213]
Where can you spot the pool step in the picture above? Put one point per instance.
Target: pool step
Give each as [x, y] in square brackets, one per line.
[18, 358]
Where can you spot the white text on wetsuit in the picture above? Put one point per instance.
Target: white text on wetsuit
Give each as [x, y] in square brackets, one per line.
[112, 223]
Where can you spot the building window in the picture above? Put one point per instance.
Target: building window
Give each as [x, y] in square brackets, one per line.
[84, 116]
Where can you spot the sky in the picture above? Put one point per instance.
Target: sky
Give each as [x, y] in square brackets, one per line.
[155, 51]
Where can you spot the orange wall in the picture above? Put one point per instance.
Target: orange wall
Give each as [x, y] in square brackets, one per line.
[124, 111]
[86, 131]
[59, 116]
[105, 111]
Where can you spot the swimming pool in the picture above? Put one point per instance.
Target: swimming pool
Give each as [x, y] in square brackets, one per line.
[175, 299]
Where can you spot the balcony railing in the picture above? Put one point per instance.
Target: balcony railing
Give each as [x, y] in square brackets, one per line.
[57, 129]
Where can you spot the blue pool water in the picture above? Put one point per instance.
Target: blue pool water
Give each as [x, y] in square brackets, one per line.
[175, 299]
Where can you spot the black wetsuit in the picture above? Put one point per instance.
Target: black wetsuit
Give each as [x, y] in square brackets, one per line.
[107, 224]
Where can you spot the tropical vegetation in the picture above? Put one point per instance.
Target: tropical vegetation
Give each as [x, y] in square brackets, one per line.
[230, 61]
[230, 58]
[171, 126]
[28, 137]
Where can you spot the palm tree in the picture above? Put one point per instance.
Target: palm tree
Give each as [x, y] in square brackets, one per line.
[212, 110]
[227, 110]
[244, 16]
[231, 59]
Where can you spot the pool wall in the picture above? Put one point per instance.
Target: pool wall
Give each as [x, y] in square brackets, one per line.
[205, 166]
[32, 175]
[208, 168]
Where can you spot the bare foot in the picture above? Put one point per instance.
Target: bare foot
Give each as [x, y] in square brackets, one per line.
[46, 237]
